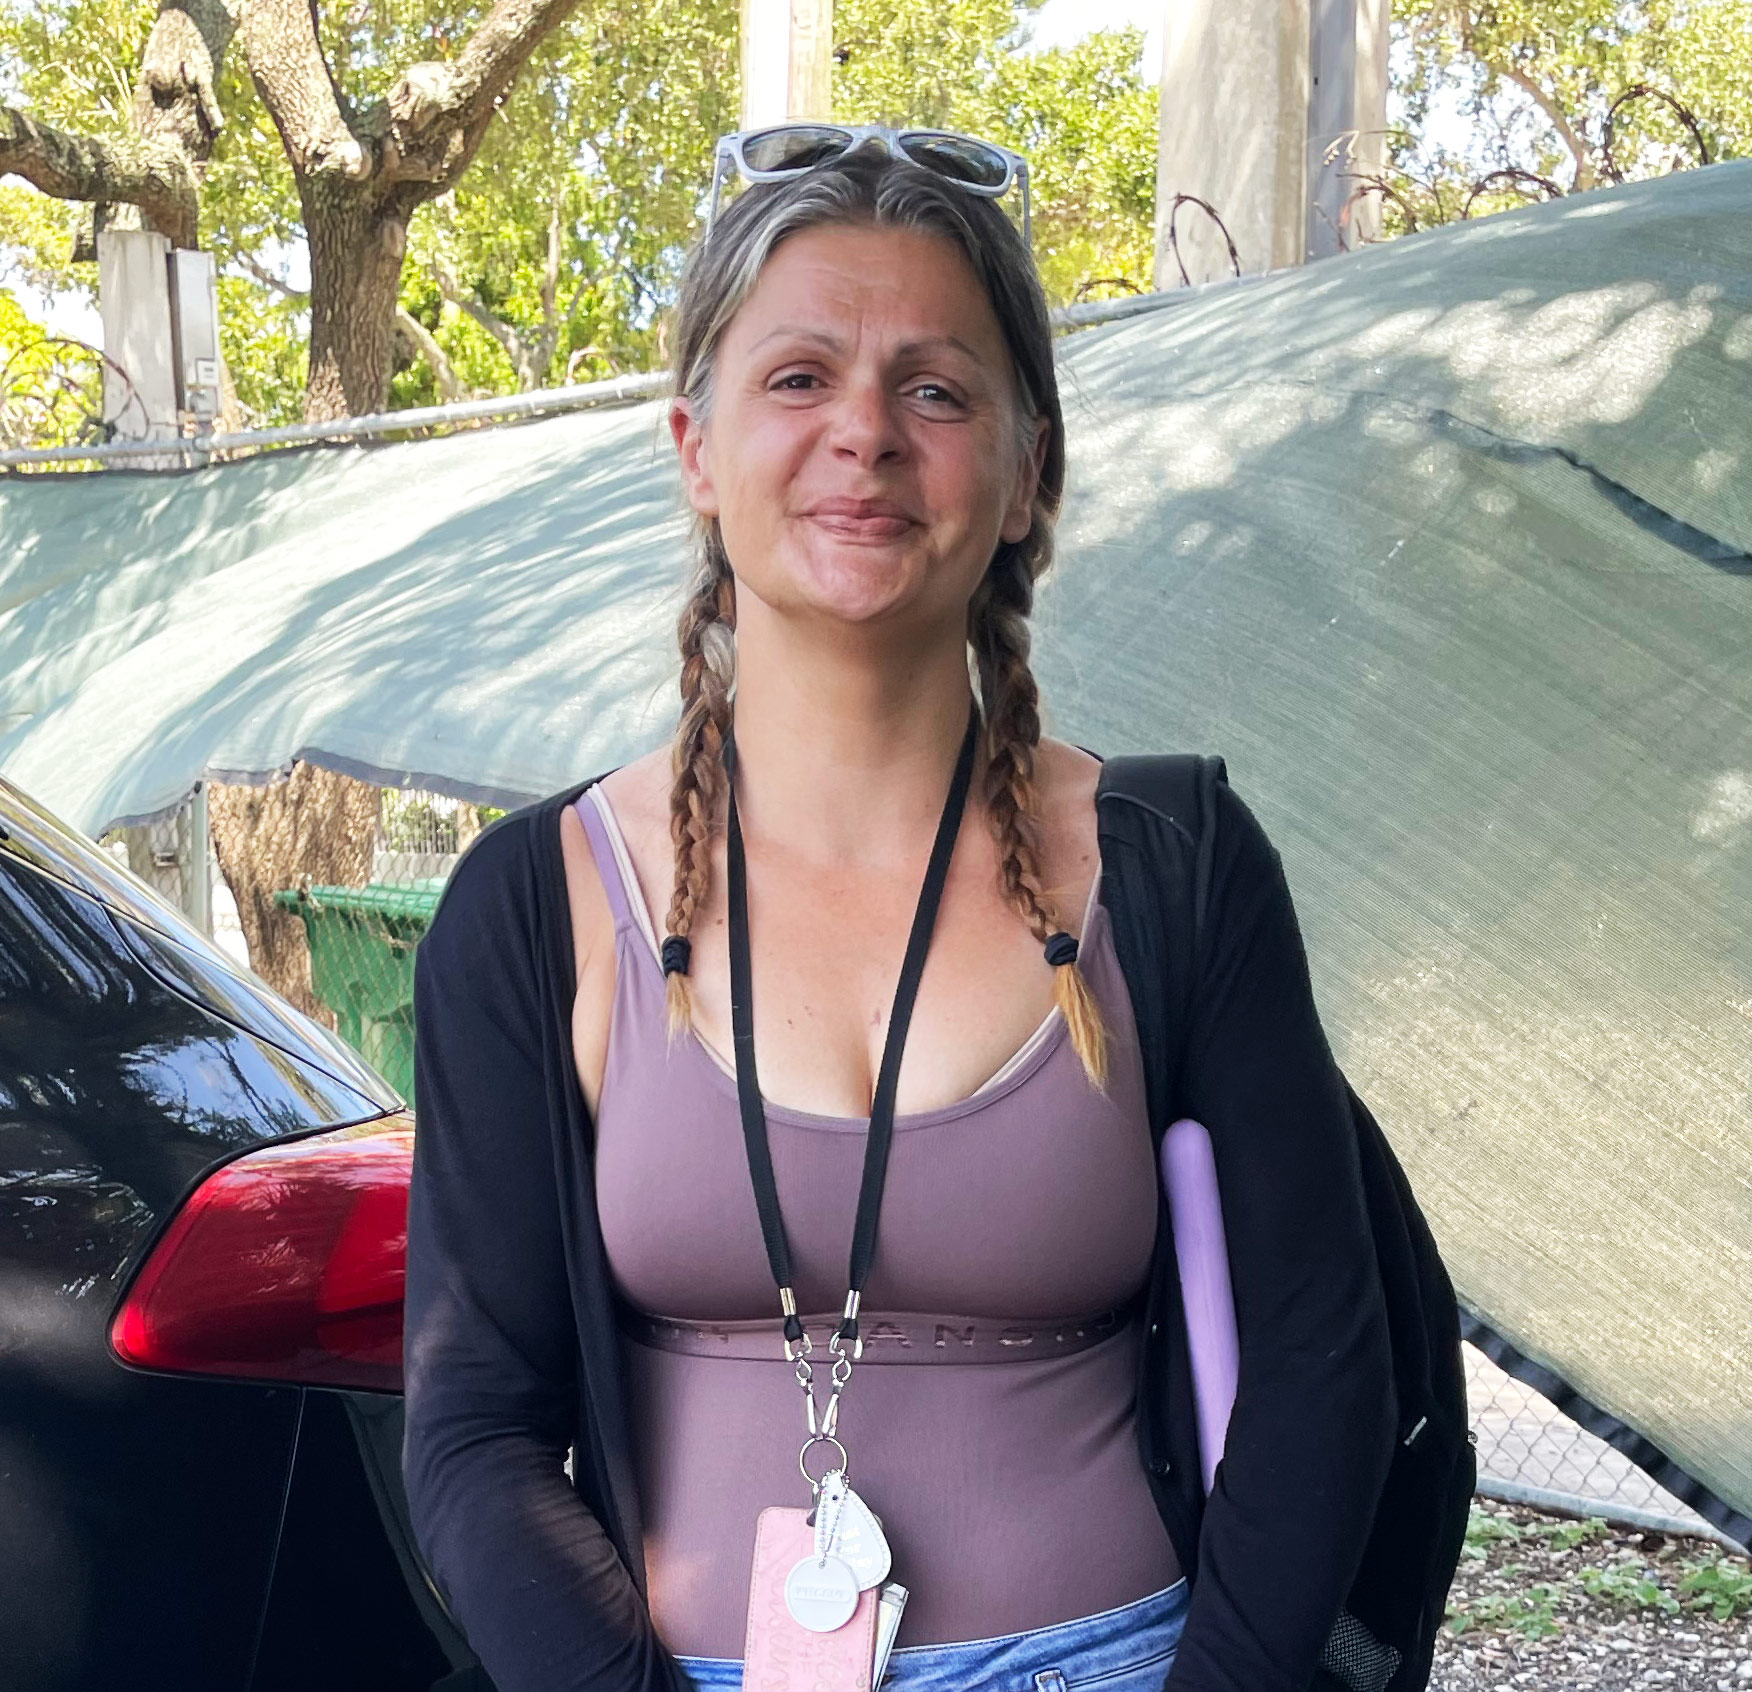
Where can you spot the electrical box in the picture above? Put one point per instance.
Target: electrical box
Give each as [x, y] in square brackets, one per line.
[194, 333]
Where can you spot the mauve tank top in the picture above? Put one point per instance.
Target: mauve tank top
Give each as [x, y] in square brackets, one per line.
[991, 1421]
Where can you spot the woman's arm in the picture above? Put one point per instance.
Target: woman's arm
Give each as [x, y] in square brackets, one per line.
[489, 1340]
[1311, 1432]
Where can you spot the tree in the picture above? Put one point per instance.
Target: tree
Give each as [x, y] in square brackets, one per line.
[556, 260]
[155, 162]
[367, 146]
[1545, 85]
[556, 256]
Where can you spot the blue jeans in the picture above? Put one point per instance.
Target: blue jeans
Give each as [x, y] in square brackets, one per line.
[1124, 1650]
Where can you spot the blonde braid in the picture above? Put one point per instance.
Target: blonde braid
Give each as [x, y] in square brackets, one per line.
[998, 633]
[707, 671]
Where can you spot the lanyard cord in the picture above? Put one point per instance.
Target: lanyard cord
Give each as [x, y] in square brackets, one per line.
[881, 1129]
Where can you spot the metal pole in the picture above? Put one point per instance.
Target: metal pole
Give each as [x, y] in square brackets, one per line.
[198, 863]
[1332, 104]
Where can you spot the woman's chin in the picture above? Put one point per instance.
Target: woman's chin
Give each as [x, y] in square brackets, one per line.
[859, 582]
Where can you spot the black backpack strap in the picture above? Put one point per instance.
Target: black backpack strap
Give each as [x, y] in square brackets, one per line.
[1181, 788]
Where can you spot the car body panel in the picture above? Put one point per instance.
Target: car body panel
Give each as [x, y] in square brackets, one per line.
[155, 1529]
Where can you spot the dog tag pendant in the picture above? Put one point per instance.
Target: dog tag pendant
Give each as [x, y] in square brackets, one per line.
[846, 1527]
[821, 1593]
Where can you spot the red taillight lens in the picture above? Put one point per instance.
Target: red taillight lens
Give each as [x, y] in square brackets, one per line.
[286, 1265]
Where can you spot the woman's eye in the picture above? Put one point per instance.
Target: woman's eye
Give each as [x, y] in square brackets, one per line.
[936, 393]
[794, 377]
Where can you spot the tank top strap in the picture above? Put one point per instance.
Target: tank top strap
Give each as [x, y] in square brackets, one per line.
[615, 866]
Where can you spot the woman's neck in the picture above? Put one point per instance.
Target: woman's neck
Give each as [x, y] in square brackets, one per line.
[846, 754]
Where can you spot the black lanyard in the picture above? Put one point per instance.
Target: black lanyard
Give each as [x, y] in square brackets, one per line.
[881, 1131]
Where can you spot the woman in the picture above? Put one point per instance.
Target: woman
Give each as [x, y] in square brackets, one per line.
[627, 1239]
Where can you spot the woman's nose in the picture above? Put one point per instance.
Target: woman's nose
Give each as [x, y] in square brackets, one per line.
[867, 424]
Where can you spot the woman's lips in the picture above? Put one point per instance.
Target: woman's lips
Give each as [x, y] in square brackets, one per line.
[860, 519]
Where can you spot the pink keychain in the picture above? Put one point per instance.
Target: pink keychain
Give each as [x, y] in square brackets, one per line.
[1189, 1176]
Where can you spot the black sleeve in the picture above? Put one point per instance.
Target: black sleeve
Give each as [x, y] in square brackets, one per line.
[1311, 1432]
[489, 1338]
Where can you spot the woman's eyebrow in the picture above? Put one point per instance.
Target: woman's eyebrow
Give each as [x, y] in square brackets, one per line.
[833, 343]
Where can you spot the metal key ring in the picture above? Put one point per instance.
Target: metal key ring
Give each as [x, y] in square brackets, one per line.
[821, 1439]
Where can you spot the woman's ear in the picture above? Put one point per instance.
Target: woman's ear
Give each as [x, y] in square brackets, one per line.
[1019, 513]
[691, 449]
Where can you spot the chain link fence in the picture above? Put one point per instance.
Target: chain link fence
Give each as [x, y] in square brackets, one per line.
[358, 937]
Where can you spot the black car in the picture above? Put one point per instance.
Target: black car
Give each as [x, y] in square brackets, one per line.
[203, 1216]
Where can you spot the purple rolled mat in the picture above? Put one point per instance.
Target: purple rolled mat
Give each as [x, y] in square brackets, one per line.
[1189, 1177]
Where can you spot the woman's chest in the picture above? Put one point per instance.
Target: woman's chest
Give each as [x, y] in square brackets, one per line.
[1035, 1197]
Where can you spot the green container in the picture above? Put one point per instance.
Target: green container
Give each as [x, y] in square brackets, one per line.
[362, 942]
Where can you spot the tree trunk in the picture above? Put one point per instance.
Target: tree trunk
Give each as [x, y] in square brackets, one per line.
[309, 828]
[356, 248]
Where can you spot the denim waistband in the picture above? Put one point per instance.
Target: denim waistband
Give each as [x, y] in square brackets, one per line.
[1126, 1649]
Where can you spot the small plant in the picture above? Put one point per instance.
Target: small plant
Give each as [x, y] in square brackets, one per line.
[1485, 1531]
[1626, 1584]
[1567, 1536]
[1532, 1613]
[1719, 1586]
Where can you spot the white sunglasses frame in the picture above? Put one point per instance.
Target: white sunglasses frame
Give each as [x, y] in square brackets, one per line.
[728, 156]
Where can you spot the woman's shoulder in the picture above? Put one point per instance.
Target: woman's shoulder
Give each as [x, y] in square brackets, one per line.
[1173, 808]
[499, 883]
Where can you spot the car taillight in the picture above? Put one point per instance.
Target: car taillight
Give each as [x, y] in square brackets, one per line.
[285, 1265]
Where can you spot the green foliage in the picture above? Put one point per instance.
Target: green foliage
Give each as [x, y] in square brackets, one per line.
[69, 63]
[609, 143]
[1485, 1530]
[1530, 1612]
[50, 389]
[1567, 1535]
[594, 168]
[1084, 117]
[1629, 1586]
[1534, 80]
[72, 63]
[1722, 1587]
[1533, 1575]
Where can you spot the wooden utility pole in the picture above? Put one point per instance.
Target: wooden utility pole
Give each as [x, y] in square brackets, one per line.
[787, 61]
[1254, 95]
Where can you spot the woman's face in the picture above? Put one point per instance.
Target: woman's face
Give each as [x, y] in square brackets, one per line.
[862, 453]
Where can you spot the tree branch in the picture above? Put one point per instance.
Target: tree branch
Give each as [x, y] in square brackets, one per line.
[438, 112]
[153, 175]
[286, 63]
[175, 94]
[1579, 151]
[510, 342]
[269, 280]
[549, 337]
[425, 345]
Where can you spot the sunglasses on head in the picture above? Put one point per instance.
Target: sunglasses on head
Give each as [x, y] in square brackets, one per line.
[785, 149]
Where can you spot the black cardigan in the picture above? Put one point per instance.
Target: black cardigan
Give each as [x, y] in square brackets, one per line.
[511, 1354]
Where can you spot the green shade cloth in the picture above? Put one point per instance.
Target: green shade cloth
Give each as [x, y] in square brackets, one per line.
[1444, 545]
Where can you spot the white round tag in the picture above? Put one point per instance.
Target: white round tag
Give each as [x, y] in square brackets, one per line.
[821, 1593]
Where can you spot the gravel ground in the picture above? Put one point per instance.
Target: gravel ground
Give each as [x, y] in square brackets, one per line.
[1549, 1603]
